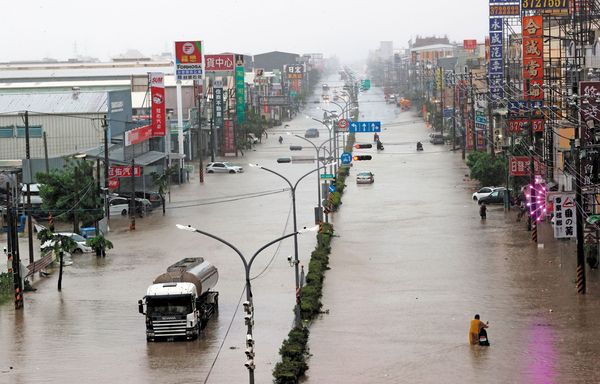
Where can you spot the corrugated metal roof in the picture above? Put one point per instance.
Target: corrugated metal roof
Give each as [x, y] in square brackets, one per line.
[81, 73]
[66, 102]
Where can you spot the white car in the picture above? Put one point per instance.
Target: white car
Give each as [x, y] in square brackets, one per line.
[80, 240]
[365, 177]
[223, 166]
[119, 206]
[483, 192]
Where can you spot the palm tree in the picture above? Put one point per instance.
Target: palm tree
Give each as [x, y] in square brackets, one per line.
[161, 181]
[58, 244]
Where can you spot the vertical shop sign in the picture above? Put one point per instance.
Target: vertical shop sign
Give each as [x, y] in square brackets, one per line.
[240, 89]
[157, 94]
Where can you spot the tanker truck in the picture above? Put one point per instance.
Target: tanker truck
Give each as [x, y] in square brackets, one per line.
[179, 302]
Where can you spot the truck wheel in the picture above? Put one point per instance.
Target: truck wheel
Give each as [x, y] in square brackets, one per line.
[124, 212]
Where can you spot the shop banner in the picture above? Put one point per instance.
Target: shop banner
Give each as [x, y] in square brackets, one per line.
[137, 135]
[228, 137]
[240, 89]
[565, 218]
[157, 94]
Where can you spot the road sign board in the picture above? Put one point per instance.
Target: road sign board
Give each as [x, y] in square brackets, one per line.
[346, 158]
[327, 176]
[343, 124]
[365, 84]
[365, 126]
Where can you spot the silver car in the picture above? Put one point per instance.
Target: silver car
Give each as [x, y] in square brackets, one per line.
[224, 167]
[365, 177]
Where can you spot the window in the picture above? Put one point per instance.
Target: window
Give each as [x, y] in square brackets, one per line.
[35, 131]
[7, 131]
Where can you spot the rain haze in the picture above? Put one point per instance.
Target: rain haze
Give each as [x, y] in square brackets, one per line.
[348, 29]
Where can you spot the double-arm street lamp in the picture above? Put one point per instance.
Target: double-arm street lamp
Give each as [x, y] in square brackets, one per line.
[248, 304]
[317, 150]
[297, 321]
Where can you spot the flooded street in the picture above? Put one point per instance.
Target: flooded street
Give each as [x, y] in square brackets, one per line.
[414, 263]
[411, 266]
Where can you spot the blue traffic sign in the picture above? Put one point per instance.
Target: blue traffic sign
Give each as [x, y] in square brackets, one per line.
[332, 188]
[365, 126]
[346, 157]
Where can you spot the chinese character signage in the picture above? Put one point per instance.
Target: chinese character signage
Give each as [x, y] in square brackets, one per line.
[214, 63]
[188, 60]
[294, 71]
[496, 58]
[157, 94]
[118, 171]
[137, 135]
[533, 66]
[544, 4]
[519, 166]
[240, 89]
[565, 219]
[218, 106]
[589, 110]
[228, 137]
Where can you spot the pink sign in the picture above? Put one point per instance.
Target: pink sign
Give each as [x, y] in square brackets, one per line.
[228, 137]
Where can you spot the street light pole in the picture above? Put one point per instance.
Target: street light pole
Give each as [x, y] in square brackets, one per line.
[317, 150]
[297, 321]
[248, 305]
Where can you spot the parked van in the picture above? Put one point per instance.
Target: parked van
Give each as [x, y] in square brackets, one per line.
[34, 191]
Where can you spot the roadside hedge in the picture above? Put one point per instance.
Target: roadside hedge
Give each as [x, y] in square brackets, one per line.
[294, 350]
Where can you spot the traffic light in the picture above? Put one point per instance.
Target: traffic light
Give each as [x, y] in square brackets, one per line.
[361, 157]
[362, 146]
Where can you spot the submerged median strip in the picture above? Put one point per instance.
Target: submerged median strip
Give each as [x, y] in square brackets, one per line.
[294, 350]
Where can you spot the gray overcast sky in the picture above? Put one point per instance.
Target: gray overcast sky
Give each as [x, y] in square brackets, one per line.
[33, 29]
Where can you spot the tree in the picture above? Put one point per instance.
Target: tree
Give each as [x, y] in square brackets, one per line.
[58, 244]
[161, 180]
[487, 169]
[100, 244]
[70, 194]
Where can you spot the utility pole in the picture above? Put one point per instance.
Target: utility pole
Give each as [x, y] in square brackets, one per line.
[442, 77]
[14, 261]
[453, 112]
[45, 138]
[28, 157]
[106, 207]
[463, 113]
[212, 139]
[200, 162]
[76, 209]
[472, 119]
[132, 202]
[532, 191]
[490, 122]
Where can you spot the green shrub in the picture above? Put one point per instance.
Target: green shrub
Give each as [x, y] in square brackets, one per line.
[6, 287]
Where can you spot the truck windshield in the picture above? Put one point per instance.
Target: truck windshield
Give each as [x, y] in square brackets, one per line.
[169, 305]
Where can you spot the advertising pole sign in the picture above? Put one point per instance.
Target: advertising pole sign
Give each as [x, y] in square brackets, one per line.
[214, 63]
[228, 137]
[565, 219]
[496, 63]
[218, 104]
[294, 71]
[157, 94]
[240, 89]
[188, 60]
[533, 49]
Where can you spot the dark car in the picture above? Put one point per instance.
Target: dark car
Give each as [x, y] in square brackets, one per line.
[496, 197]
[311, 132]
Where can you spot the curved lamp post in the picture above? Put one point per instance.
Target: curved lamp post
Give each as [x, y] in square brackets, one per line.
[317, 150]
[296, 261]
[248, 305]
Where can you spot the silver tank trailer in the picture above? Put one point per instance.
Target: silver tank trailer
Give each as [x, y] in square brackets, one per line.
[193, 270]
